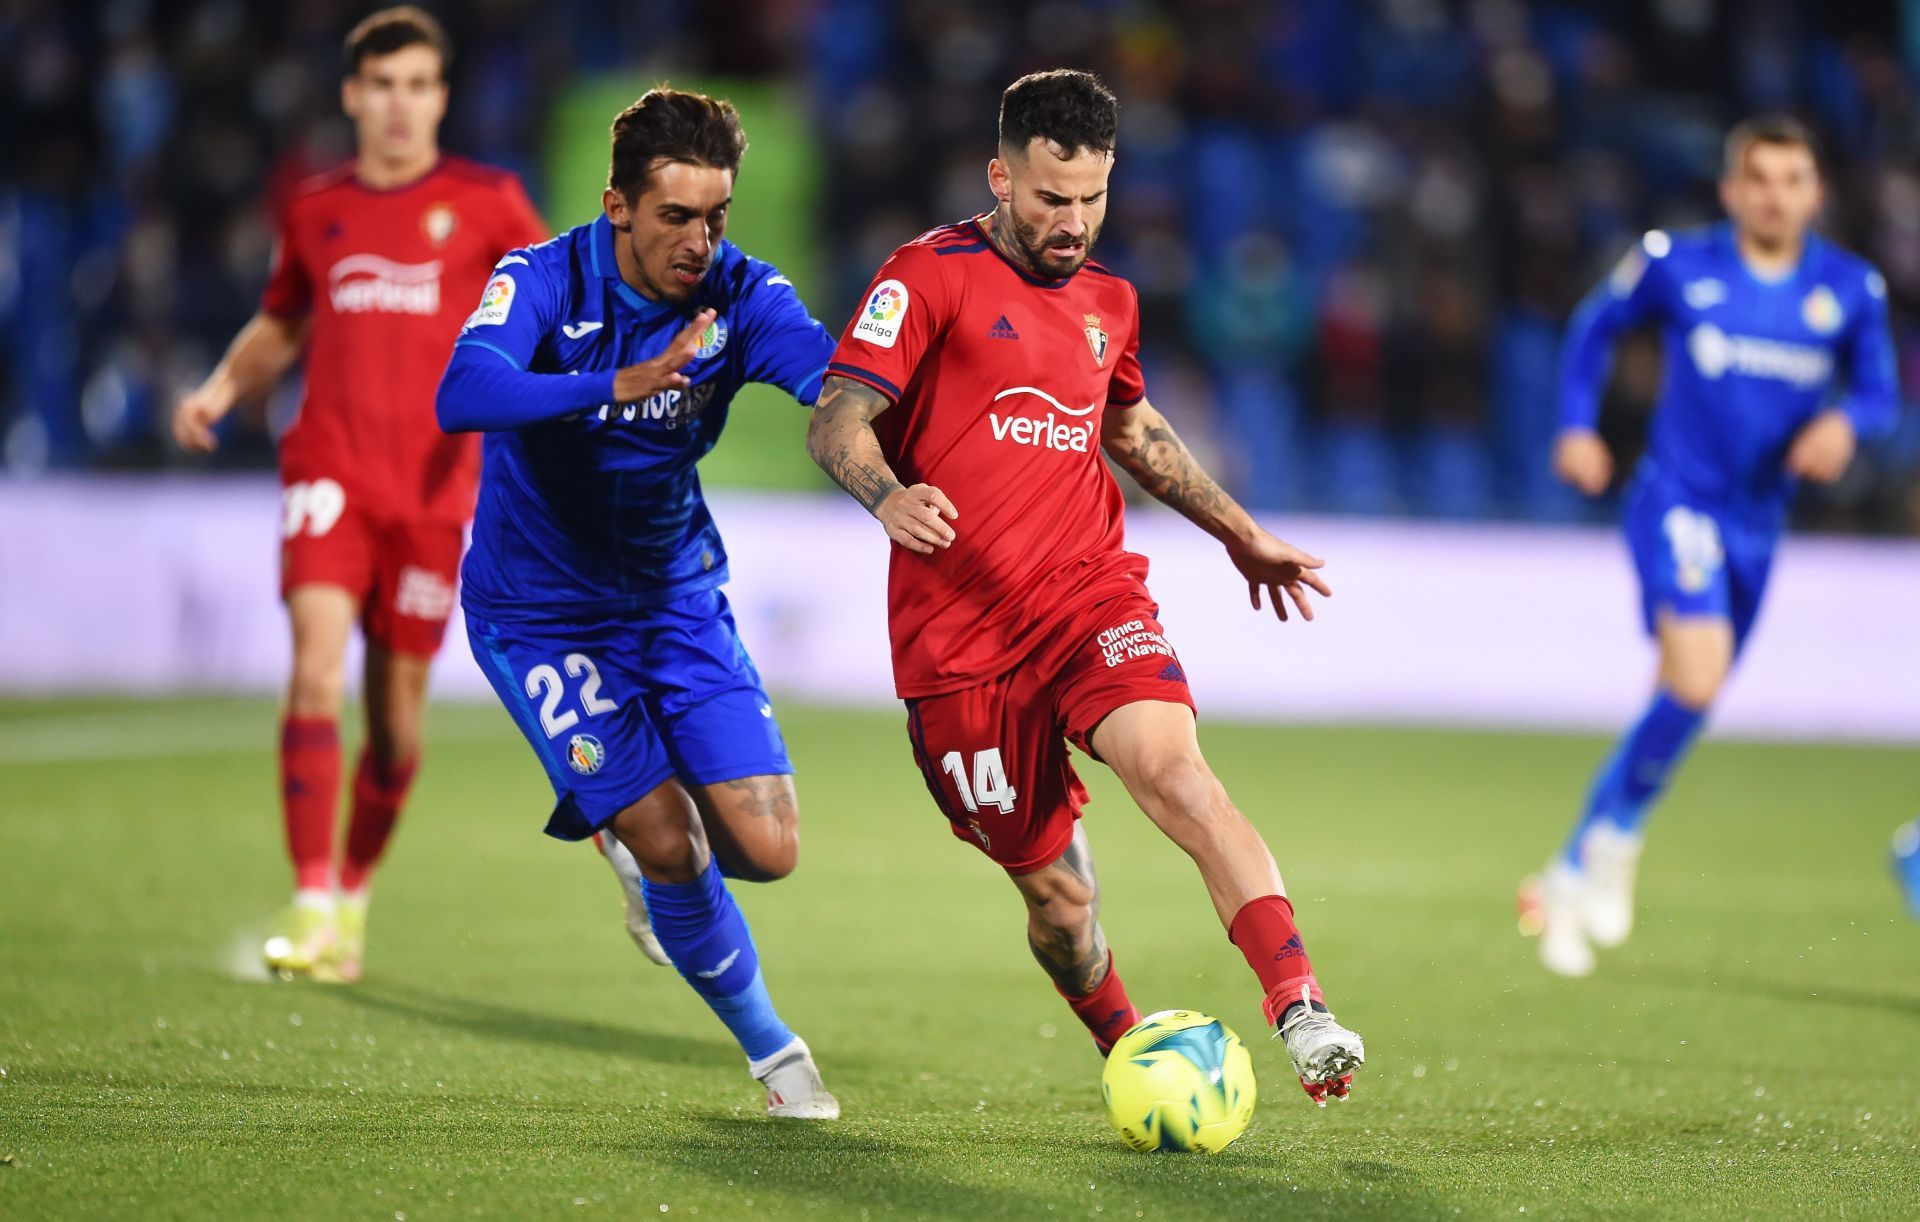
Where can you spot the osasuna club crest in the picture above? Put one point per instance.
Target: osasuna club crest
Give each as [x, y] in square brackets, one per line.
[438, 223]
[1096, 340]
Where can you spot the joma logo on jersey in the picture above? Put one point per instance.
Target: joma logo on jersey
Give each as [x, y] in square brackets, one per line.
[369, 284]
[669, 407]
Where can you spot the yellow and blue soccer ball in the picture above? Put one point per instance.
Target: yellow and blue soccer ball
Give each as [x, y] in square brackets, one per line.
[1179, 1080]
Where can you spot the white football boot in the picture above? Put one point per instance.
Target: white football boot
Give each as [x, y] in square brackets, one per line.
[627, 870]
[1324, 1053]
[1611, 857]
[1553, 908]
[794, 1089]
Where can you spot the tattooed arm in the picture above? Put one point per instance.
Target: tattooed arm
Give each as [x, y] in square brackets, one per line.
[841, 440]
[1146, 447]
[1140, 440]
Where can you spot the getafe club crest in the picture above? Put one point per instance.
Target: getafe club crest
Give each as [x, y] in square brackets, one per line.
[438, 223]
[1096, 340]
[585, 754]
[713, 339]
[1821, 310]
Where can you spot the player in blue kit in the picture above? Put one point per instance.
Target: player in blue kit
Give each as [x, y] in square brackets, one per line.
[1761, 320]
[601, 365]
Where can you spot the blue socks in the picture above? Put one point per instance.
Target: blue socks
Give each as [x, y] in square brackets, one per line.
[1637, 771]
[705, 934]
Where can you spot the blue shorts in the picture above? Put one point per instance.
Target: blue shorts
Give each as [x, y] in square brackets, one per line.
[1697, 559]
[615, 707]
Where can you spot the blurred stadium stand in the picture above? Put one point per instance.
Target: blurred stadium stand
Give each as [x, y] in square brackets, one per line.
[1356, 227]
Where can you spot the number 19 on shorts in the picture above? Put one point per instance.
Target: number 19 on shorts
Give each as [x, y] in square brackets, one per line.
[989, 787]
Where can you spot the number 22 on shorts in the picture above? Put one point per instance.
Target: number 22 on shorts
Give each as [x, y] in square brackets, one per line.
[989, 786]
[544, 684]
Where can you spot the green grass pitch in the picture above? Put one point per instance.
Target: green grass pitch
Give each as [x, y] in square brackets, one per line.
[1755, 1051]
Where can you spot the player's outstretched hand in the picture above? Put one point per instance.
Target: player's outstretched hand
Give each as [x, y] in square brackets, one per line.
[916, 518]
[1824, 447]
[194, 417]
[1279, 568]
[636, 382]
[1580, 458]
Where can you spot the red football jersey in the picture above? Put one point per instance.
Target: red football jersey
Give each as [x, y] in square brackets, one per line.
[999, 381]
[389, 276]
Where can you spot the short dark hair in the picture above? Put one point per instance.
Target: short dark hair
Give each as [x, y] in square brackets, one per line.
[1066, 107]
[393, 29]
[1765, 129]
[673, 125]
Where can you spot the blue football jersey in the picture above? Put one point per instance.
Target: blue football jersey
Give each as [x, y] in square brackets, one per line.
[600, 511]
[1748, 361]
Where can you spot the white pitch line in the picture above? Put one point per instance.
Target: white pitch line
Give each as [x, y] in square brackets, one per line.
[156, 734]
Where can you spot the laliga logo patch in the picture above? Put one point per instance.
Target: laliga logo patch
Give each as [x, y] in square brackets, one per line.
[495, 303]
[585, 754]
[888, 303]
[1821, 310]
[1096, 340]
[712, 340]
[1655, 244]
[438, 223]
[880, 318]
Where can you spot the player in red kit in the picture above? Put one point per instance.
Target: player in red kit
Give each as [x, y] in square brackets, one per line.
[967, 409]
[377, 266]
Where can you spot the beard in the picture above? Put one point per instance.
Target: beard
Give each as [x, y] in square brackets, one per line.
[1036, 250]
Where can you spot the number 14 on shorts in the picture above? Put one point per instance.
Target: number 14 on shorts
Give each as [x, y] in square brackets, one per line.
[989, 787]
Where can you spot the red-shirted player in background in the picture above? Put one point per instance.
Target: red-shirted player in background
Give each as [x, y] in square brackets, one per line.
[988, 368]
[377, 266]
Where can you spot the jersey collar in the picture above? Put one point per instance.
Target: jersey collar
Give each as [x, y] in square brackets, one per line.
[1809, 257]
[607, 267]
[1019, 271]
[439, 160]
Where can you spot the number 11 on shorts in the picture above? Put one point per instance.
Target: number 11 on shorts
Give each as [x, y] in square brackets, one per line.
[989, 786]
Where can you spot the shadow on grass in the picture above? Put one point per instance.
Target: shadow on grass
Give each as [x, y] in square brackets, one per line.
[1905, 1005]
[851, 1167]
[495, 1021]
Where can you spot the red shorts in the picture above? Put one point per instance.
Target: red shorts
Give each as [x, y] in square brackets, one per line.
[995, 756]
[402, 573]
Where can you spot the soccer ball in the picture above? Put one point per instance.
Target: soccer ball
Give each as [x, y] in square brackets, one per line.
[1179, 1080]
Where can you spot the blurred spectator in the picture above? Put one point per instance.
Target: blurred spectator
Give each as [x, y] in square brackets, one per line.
[1356, 225]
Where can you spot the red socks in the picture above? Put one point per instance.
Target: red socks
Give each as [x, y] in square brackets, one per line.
[310, 796]
[1265, 933]
[378, 792]
[1105, 1011]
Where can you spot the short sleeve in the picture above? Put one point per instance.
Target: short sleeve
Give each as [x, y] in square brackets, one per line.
[518, 221]
[901, 315]
[289, 291]
[516, 311]
[1129, 385]
[785, 345]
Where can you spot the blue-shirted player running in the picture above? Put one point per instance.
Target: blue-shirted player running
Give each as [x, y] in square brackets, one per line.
[601, 365]
[1760, 319]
